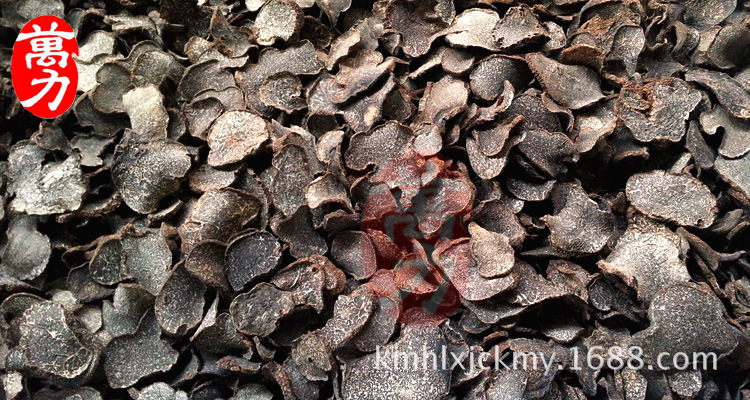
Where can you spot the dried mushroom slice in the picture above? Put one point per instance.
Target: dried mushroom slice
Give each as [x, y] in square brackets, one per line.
[363, 380]
[251, 256]
[124, 313]
[218, 215]
[735, 172]
[277, 20]
[681, 199]
[728, 91]
[685, 318]
[27, 251]
[473, 28]
[378, 146]
[145, 107]
[571, 86]
[697, 15]
[282, 91]
[131, 358]
[234, 136]
[146, 172]
[258, 311]
[548, 151]
[204, 75]
[580, 226]
[647, 257]
[350, 314]
[491, 252]
[419, 22]
[43, 188]
[52, 346]
[179, 304]
[519, 29]
[161, 391]
[299, 233]
[488, 77]
[658, 109]
[736, 140]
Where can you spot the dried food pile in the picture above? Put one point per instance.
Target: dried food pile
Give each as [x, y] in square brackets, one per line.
[256, 199]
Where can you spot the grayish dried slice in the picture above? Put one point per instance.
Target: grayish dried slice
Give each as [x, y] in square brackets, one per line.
[364, 112]
[298, 59]
[207, 178]
[51, 346]
[90, 148]
[419, 23]
[251, 256]
[146, 172]
[96, 43]
[735, 172]
[131, 358]
[228, 39]
[379, 327]
[580, 226]
[728, 91]
[361, 76]
[473, 28]
[658, 109]
[491, 252]
[277, 20]
[299, 233]
[485, 167]
[179, 304]
[327, 189]
[145, 107]
[258, 311]
[681, 198]
[354, 253]
[736, 140]
[161, 391]
[333, 8]
[156, 68]
[378, 146]
[519, 29]
[487, 79]
[571, 86]
[252, 391]
[311, 353]
[320, 277]
[548, 151]
[686, 318]
[206, 262]
[113, 82]
[200, 114]
[648, 257]
[364, 380]
[530, 191]
[220, 337]
[442, 100]
[218, 215]
[231, 98]
[457, 61]
[350, 314]
[234, 136]
[282, 91]
[124, 313]
[43, 188]
[703, 14]
[204, 75]
[27, 251]
[102, 124]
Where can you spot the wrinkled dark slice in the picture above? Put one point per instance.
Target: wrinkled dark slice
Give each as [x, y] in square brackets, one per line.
[145, 108]
[277, 19]
[91, 149]
[548, 151]
[320, 276]
[379, 328]
[473, 28]
[457, 61]
[51, 346]
[354, 253]
[43, 188]
[252, 391]
[155, 68]
[647, 257]
[484, 166]
[735, 172]
[442, 100]
[124, 313]
[204, 75]
[728, 91]
[292, 175]
[327, 189]
[593, 125]
[736, 140]
[363, 381]
[114, 82]
[251, 256]
[658, 109]
[282, 91]
[530, 191]
[702, 14]
[498, 217]
[298, 232]
[681, 199]
[179, 304]
[311, 354]
[350, 314]
[27, 251]
[491, 252]
[487, 77]
[221, 337]
[200, 114]
[131, 358]
[519, 29]
[580, 226]
[161, 391]
[419, 22]
[571, 86]
[234, 136]
[102, 124]
[357, 79]
[146, 172]
[258, 311]
[207, 178]
[378, 146]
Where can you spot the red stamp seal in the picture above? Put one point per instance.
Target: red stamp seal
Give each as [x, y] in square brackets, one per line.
[45, 76]
[416, 206]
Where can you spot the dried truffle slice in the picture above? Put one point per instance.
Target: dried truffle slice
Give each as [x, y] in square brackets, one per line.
[277, 19]
[364, 380]
[728, 91]
[685, 318]
[548, 151]
[204, 75]
[27, 251]
[218, 215]
[206, 178]
[282, 91]
[419, 22]
[734, 172]
[681, 199]
[299, 233]
[333, 8]
[490, 251]
[380, 326]
[234, 136]
[580, 226]
[378, 146]
[251, 256]
[252, 391]
[124, 313]
[43, 188]
[179, 304]
[350, 314]
[51, 347]
[658, 109]
[131, 358]
[487, 77]
[647, 257]
[351, 251]
[145, 107]
[698, 16]
[258, 311]
[519, 29]
[161, 391]
[200, 114]
[442, 100]
[736, 140]
[146, 172]
[473, 28]
[571, 86]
